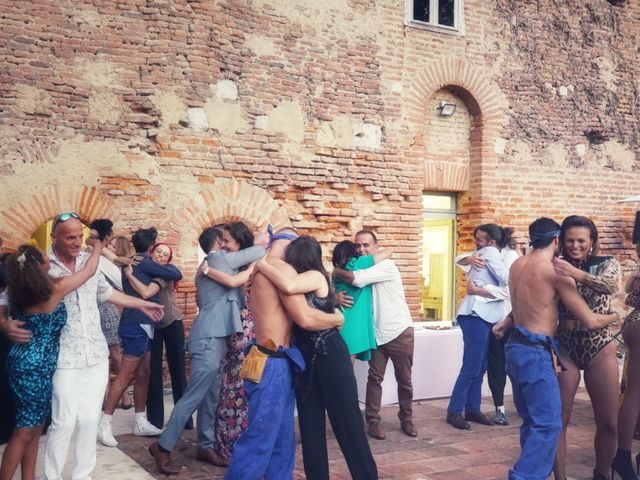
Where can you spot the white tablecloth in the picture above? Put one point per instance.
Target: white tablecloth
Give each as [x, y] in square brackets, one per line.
[436, 363]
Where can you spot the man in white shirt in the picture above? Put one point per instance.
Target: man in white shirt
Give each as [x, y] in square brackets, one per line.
[82, 373]
[496, 373]
[394, 335]
[476, 315]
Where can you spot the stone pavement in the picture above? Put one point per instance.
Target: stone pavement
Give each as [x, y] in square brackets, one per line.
[438, 453]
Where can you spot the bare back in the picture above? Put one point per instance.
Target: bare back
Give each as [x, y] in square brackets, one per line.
[534, 300]
[270, 320]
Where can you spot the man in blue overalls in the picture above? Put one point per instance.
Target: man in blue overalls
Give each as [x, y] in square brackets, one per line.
[267, 448]
[530, 352]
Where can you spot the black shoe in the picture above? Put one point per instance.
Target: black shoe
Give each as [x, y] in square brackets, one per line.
[457, 421]
[622, 465]
[598, 476]
[477, 417]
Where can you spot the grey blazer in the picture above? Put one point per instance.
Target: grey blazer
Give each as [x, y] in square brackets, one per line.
[219, 306]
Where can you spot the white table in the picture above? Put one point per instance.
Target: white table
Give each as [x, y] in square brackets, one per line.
[436, 363]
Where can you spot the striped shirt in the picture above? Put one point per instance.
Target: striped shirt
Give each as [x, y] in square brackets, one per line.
[391, 313]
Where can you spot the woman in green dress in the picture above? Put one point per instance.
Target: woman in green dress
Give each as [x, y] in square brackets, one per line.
[358, 331]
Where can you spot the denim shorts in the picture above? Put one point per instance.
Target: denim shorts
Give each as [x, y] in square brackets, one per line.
[135, 341]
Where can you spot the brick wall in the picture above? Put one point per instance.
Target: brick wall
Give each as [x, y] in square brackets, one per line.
[317, 114]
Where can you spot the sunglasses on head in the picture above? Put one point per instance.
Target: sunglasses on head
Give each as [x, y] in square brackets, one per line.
[63, 217]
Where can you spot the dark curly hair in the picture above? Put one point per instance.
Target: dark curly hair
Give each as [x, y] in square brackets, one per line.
[103, 226]
[28, 283]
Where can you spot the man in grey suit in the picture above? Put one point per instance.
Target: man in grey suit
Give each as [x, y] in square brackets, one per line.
[218, 317]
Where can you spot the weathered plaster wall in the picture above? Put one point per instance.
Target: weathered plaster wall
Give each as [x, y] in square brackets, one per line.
[319, 114]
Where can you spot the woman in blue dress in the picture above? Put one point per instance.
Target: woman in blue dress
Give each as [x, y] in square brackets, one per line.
[35, 299]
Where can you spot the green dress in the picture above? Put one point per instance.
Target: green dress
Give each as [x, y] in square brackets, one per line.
[358, 331]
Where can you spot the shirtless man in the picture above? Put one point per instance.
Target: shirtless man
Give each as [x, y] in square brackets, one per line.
[530, 351]
[267, 448]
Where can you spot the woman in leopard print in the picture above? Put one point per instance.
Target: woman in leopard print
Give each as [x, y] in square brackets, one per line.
[591, 351]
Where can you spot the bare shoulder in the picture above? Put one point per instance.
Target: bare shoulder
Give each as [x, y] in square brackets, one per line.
[563, 280]
[517, 263]
[280, 264]
[259, 279]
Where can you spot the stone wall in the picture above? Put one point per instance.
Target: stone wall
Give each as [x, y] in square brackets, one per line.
[321, 115]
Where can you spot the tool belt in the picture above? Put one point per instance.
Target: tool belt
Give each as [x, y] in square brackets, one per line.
[256, 360]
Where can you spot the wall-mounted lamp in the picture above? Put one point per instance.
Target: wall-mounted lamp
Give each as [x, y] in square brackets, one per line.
[447, 109]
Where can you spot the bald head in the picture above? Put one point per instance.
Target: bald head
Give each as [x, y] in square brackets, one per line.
[67, 239]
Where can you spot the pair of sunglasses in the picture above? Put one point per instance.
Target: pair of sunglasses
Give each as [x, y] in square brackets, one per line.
[63, 217]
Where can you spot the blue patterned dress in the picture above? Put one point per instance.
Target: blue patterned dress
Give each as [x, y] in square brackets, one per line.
[31, 366]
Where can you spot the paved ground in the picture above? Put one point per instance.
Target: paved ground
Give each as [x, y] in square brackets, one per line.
[439, 451]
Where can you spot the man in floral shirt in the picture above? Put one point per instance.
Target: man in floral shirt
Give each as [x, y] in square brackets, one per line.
[82, 373]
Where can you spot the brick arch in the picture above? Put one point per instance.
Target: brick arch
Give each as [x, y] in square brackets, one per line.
[228, 200]
[485, 103]
[22, 218]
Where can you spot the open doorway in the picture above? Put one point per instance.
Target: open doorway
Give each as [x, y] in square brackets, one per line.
[438, 243]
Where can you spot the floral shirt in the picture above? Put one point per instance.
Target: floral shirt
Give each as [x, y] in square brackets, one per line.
[82, 342]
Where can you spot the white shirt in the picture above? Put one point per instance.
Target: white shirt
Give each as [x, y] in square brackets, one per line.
[391, 313]
[82, 342]
[500, 293]
[111, 271]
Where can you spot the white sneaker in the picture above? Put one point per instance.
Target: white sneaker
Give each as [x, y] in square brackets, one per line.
[142, 428]
[105, 435]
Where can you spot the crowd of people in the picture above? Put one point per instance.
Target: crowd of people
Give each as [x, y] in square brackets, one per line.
[545, 319]
[275, 331]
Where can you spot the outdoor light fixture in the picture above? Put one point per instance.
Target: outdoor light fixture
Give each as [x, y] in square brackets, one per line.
[447, 109]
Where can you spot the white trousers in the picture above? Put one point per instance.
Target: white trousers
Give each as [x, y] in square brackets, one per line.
[75, 406]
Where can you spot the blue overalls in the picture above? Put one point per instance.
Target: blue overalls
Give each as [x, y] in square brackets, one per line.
[267, 447]
[536, 394]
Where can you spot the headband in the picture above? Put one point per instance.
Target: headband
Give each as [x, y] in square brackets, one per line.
[279, 236]
[549, 234]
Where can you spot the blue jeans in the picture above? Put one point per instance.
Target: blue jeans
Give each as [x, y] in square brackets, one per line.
[466, 394]
[267, 448]
[536, 395]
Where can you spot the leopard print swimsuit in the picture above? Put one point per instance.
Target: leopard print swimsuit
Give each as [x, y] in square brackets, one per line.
[581, 344]
[633, 301]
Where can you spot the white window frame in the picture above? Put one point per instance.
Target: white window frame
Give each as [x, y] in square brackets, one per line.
[458, 18]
